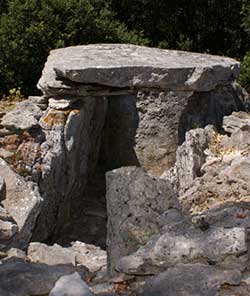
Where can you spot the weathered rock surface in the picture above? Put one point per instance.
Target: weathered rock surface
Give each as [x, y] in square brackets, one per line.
[71, 285]
[190, 157]
[125, 66]
[25, 116]
[97, 120]
[17, 253]
[90, 256]
[50, 255]
[21, 278]
[191, 280]
[69, 157]
[162, 95]
[110, 106]
[211, 168]
[236, 121]
[218, 245]
[225, 174]
[40, 101]
[215, 227]
[7, 230]
[135, 202]
[93, 257]
[22, 201]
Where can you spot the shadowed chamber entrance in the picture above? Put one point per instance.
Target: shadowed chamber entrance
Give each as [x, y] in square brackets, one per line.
[88, 216]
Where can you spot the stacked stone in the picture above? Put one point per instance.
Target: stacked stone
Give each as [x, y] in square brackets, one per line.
[109, 106]
[173, 91]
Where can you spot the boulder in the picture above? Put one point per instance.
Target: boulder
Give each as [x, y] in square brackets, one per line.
[5, 216]
[22, 201]
[21, 278]
[191, 280]
[78, 254]
[225, 179]
[236, 121]
[69, 157]
[24, 117]
[8, 229]
[190, 157]
[221, 246]
[91, 256]
[71, 285]
[213, 169]
[51, 255]
[135, 202]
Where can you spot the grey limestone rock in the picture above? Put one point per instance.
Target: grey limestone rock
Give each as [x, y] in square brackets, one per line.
[225, 179]
[51, 255]
[190, 157]
[21, 278]
[61, 103]
[155, 96]
[69, 157]
[135, 202]
[133, 66]
[24, 117]
[23, 202]
[71, 285]
[4, 215]
[146, 129]
[221, 246]
[78, 254]
[191, 280]
[236, 121]
[91, 256]
[40, 101]
[17, 253]
[7, 230]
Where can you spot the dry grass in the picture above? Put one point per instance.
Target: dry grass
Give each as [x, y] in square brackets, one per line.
[9, 103]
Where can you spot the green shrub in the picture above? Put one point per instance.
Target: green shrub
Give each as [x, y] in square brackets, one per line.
[29, 29]
[244, 79]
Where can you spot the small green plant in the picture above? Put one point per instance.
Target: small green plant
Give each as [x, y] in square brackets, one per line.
[14, 94]
[195, 125]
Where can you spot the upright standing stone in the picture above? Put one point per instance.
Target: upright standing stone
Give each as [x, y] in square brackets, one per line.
[135, 203]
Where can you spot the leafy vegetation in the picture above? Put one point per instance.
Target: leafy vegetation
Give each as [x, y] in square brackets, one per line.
[29, 29]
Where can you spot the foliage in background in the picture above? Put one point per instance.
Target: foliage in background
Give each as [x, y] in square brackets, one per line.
[245, 72]
[29, 29]
[245, 65]
[198, 25]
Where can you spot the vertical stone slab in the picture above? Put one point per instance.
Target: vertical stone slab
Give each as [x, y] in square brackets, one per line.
[135, 203]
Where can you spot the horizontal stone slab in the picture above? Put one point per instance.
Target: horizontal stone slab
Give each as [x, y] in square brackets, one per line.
[130, 66]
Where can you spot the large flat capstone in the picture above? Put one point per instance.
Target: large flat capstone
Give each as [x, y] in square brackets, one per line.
[73, 70]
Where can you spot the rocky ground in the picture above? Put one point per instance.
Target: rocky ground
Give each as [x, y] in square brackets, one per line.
[123, 182]
[198, 236]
